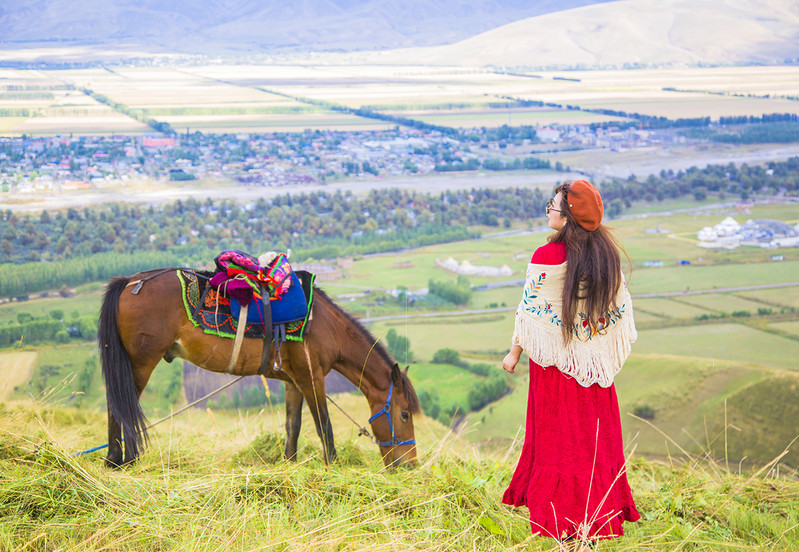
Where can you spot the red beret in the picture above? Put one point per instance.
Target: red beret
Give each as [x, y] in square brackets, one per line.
[585, 204]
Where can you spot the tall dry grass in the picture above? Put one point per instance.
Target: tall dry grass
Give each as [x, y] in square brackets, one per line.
[218, 482]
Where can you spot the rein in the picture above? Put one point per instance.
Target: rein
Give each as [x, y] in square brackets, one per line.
[362, 429]
[387, 411]
[139, 283]
[165, 418]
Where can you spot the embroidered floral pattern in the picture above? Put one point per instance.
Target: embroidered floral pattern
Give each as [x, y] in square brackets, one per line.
[582, 328]
[531, 293]
[586, 331]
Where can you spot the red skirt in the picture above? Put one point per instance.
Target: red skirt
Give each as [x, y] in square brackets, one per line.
[571, 474]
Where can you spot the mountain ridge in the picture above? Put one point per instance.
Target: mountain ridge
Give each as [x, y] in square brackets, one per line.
[216, 26]
[498, 33]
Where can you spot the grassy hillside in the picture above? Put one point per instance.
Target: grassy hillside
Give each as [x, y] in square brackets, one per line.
[213, 481]
[693, 353]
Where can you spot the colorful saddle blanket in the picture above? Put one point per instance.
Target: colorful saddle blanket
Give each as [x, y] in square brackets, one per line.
[217, 313]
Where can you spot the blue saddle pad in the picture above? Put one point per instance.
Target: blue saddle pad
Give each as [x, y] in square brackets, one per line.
[291, 307]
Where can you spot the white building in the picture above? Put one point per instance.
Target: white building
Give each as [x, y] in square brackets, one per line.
[766, 233]
[468, 269]
[547, 134]
[727, 227]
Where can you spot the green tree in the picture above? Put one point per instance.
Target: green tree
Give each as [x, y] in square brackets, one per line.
[23, 317]
[399, 347]
[447, 356]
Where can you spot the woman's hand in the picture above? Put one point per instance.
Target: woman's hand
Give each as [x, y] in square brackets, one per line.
[512, 359]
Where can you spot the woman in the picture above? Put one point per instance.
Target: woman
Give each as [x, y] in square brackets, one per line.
[575, 323]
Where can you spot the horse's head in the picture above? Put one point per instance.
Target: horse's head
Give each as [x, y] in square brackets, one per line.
[393, 425]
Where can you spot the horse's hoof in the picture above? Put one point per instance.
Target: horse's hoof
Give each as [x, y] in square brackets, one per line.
[113, 463]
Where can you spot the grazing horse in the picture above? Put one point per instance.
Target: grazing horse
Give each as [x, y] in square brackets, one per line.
[137, 330]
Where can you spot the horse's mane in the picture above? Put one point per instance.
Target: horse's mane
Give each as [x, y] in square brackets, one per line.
[410, 392]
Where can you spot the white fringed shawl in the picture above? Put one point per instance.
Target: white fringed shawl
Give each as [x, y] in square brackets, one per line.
[591, 356]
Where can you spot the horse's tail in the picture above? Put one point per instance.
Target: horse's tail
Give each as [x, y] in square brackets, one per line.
[120, 389]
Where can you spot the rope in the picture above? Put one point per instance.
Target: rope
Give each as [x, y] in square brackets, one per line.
[363, 430]
[172, 415]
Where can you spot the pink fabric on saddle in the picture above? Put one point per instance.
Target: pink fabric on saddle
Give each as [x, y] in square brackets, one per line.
[233, 287]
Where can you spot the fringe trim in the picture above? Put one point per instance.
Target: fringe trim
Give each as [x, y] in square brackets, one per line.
[588, 362]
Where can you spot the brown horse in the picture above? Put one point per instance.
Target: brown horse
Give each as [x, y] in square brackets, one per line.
[137, 330]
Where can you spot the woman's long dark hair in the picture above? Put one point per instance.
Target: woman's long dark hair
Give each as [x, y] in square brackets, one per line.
[593, 269]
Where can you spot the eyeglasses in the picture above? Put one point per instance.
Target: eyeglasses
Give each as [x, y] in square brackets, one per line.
[550, 204]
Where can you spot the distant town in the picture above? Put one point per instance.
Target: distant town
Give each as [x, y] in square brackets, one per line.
[62, 163]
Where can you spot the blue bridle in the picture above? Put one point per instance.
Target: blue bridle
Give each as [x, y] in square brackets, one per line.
[387, 411]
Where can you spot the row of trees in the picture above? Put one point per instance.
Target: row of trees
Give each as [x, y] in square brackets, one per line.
[18, 280]
[91, 244]
[46, 329]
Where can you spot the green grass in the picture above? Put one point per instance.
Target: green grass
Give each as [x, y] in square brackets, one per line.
[667, 307]
[645, 317]
[450, 383]
[791, 327]
[55, 380]
[692, 277]
[722, 342]
[467, 334]
[724, 302]
[85, 303]
[779, 298]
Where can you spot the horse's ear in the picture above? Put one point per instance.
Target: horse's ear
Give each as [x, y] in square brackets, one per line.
[396, 375]
[406, 370]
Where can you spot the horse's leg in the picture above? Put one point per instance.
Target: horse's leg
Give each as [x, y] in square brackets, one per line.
[309, 377]
[142, 370]
[294, 401]
[122, 399]
[146, 326]
[114, 457]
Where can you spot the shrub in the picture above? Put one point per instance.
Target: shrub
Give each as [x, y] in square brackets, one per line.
[447, 356]
[644, 411]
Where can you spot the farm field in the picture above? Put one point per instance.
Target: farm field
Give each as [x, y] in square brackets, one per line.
[470, 334]
[760, 81]
[270, 98]
[723, 342]
[710, 277]
[84, 303]
[681, 93]
[16, 368]
[786, 297]
[723, 302]
[510, 116]
[667, 307]
[791, 327]
[689, 105]
[651, 160]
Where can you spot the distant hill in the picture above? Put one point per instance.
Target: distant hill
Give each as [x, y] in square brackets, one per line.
[242, 26]
[505, 33]
[635, 33]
